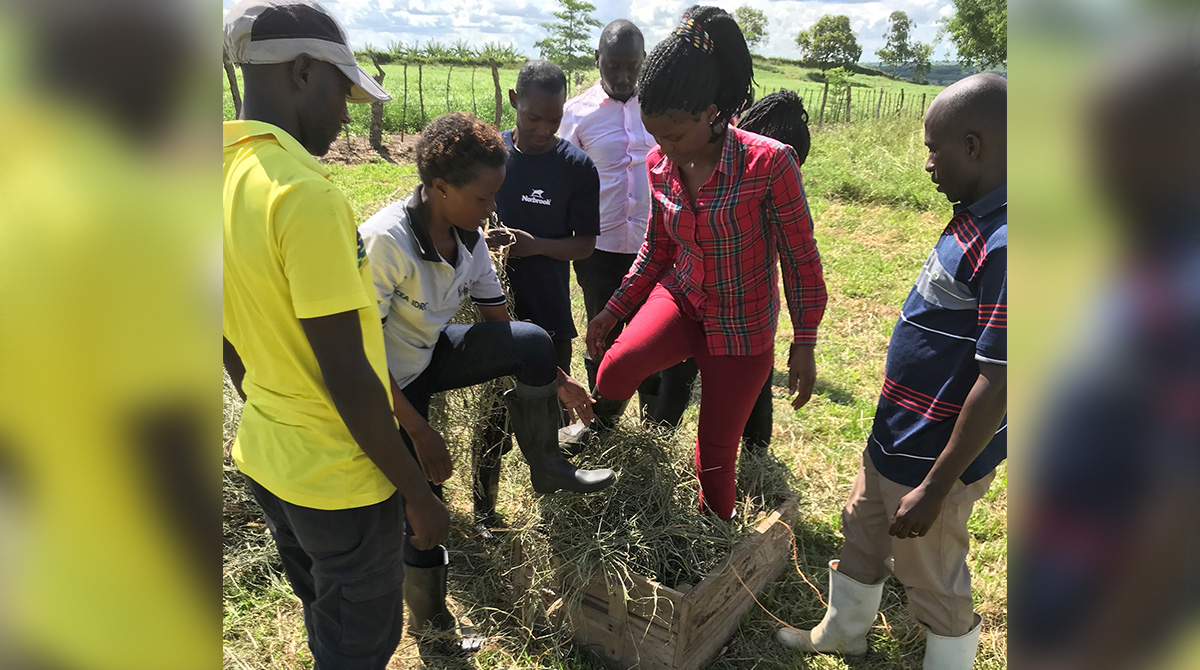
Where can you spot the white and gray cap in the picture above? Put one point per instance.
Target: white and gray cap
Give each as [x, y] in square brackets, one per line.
[262, 32]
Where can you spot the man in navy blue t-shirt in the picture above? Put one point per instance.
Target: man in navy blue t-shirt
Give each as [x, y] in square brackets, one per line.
[549, 211]
[549, 203]
[941, 425]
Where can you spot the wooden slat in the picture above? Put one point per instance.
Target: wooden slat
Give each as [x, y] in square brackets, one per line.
[628, 643]
[718, 603]
[660, 628]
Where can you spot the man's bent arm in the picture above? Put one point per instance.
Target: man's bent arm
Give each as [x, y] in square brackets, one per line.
[361, 400]
[979, 420]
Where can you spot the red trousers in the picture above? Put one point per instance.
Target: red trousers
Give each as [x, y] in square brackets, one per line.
[660, 335]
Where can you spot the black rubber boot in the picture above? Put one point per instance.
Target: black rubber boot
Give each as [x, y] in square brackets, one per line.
[674, 394]
[535, 424]
[425, 595]
[486, 486]
[606, 413]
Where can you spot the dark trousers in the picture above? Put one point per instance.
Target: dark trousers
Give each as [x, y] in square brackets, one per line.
[470, 354]
[562, 354]
[599, 276]
[675, 393]
[346, 568]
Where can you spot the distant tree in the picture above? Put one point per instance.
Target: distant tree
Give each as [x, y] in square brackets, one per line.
[979, 32]
[753, 23]
[830, 43]
[898, 49]
[569, 41]
[839, 79]
[920, 60]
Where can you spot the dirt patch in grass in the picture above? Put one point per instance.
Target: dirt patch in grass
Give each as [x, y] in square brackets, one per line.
[356, 150]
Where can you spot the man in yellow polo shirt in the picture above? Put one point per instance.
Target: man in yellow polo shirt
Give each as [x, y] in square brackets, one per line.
[317, 443]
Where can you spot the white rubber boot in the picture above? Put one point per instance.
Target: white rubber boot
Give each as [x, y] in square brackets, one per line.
[852, 609]
[952, 653]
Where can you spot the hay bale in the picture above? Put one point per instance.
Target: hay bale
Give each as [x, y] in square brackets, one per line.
[648, 521]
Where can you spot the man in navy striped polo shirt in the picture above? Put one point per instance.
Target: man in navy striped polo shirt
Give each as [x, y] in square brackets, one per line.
[941, 426]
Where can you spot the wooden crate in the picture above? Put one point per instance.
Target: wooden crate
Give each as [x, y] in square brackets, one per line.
[660, 628]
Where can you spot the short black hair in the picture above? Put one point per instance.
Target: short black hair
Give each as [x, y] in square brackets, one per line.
[780, 116]
[454, 146]
[541, 75]
[704, 62]
[620, 32]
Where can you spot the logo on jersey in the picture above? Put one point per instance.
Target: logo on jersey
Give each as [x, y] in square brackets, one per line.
[537, 197]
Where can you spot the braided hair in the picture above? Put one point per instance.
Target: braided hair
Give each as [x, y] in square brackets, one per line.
[704, 62]
[781, 117]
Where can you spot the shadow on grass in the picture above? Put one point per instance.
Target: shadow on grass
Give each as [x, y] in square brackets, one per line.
[837, 395]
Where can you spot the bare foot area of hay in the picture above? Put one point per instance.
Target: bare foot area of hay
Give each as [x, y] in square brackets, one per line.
[355, 150]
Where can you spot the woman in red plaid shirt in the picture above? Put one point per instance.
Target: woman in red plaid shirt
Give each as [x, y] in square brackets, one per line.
[727, 209]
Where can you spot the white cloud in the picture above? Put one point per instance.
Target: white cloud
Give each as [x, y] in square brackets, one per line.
[380, 22]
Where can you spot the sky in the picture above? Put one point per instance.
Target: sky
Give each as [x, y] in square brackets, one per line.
[380, 22]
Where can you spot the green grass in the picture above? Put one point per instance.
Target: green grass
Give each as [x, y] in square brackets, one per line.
[877, 215]
[864, 95]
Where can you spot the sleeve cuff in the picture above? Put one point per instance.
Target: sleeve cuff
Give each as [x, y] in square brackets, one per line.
[805, 336]
[489, 302]
[994, 361]
[336, 305]
[617, 307]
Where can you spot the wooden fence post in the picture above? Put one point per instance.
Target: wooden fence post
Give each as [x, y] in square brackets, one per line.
[879, 104]
[474, 103]
[922, 110]
[421, 90]
[450, 72]
[824, 95]
[231, 74]
[847, 103]
[404, 111]
[375, 134]
[496, 83]
[900, 105]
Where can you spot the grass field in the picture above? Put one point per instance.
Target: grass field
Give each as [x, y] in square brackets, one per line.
[479, 95]
[864, 94]
[876, 217]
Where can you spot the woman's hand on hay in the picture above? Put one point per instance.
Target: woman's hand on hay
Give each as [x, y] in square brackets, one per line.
[433, 455]
[802, 373]
[598, 330]
[575, 398]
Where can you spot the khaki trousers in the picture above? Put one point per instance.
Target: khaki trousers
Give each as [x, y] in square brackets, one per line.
[933, 568]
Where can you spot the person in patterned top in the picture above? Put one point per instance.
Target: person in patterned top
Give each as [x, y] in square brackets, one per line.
[941, 426]
[727, 210]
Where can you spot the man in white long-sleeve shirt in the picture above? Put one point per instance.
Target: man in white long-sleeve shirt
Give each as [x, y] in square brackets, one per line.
[606, 122]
